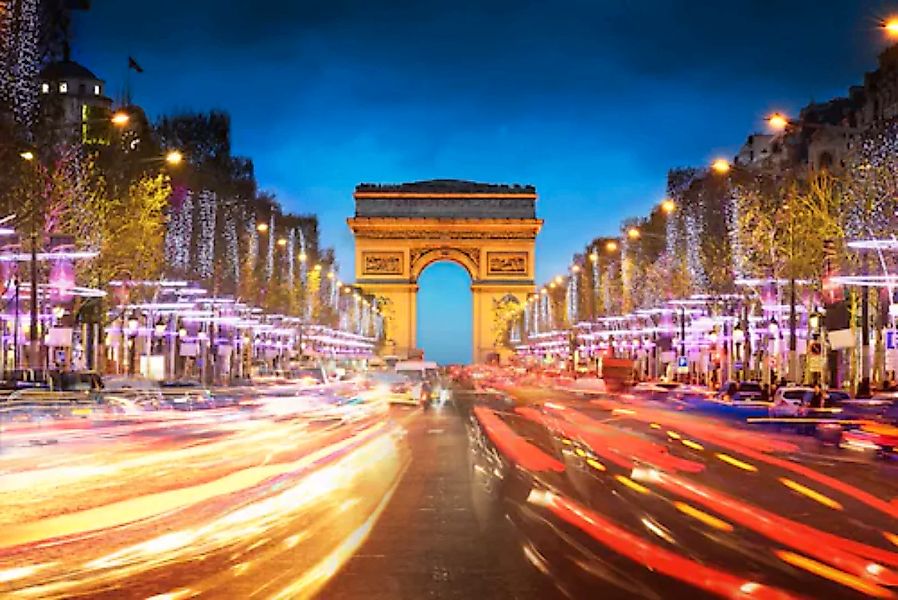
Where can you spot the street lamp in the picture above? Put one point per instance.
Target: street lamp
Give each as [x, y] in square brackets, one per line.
[594, 256]
[303, 257]
[721, 166]
[890, 26]
[738, 334]
[282, 242]
[174, 157]
[262, 227]
[668, 206]
[633, 233]
[120, 119]
[778, 121]
[611, 246]
[27, 155]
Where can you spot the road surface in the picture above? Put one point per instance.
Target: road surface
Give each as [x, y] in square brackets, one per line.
[521, 493]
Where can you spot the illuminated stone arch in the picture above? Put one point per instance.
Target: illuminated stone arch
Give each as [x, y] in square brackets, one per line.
[400, 230]
[420, 259]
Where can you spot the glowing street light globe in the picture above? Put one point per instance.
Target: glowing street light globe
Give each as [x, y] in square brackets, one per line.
[120, 119]
[721, 166]
[778, 122]
[890, 26]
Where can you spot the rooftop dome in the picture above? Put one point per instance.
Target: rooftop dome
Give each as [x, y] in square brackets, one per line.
[66, 69]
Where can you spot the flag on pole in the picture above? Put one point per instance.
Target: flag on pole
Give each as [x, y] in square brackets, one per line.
[132, 64]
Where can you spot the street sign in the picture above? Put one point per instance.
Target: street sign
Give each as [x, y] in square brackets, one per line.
[682, 364]
[891, 339]
[816, 363]
[737, 365]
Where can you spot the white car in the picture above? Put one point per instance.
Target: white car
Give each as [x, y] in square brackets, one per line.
[787, 401]
[656, 390]
[397, 389]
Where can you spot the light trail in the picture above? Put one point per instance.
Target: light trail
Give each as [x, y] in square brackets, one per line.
[210, 503]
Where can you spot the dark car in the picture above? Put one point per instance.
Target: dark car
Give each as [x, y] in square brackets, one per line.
[872, 409]
[18, 379]
[744, 391]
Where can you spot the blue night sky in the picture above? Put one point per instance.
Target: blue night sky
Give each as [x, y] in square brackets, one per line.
[591, 101]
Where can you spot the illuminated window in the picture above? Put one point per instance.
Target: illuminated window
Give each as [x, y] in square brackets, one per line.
[96, 90]
[63, 87]
[45, 88]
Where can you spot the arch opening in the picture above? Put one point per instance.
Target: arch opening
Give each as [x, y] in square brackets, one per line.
[445, 310]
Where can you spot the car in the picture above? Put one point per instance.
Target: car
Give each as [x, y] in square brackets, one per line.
[397, 388]
[692, 393]
[418, 370]
[656, 390]
[43, 403]
[308, 375]
[834, 402]
[741, 392]
[788, 401]
[17, 379]
[144, 394]
[873, 409]
[879, 437]
[186, 395]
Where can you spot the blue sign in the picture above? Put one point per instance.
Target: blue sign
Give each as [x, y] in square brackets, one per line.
[737, 365]
[683, 362]
[891, 339]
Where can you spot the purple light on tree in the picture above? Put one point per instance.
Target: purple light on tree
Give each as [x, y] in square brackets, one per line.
[62, 270]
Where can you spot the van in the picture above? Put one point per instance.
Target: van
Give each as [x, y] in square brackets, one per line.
[419, 370]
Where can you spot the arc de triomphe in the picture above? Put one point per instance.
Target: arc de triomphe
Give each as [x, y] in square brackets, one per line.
[488, 229]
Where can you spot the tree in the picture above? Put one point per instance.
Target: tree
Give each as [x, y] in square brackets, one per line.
[130, 227]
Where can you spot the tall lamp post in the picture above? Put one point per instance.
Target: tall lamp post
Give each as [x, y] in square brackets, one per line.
[34, 339]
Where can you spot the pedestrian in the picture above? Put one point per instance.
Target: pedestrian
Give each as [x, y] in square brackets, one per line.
[817, 397]
[863, 389]
[765, 392]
